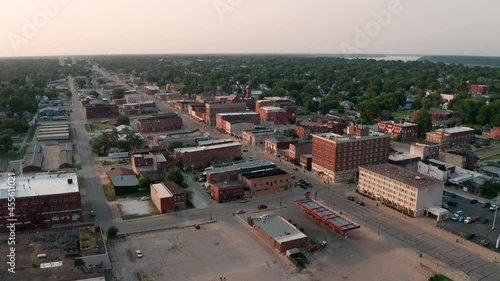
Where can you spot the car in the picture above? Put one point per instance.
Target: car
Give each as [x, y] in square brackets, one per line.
[486, 204]
[351, 198]
[485, 221]
[245, 150]
[484, 242]
[445, 206]
[292, 176]
[453, 195]
[244, 200]
[264, 216]
[461, 219]
[240, 212]
[92, 213]
[470, 236]
[295, 169]
[494, 207]
[459, 213]
[145, 198]
[260, 207]
[473, 201]
[452, 203]
[138, 253]
[360, 203]
[322, 244]
[313, 248]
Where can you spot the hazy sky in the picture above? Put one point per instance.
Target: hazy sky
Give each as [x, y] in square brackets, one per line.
[74, 27]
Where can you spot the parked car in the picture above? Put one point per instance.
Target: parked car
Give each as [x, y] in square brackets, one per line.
[461, 219]
[473, 201]
[264, 216]
[260, 207]
[138, 253]
[459, 213]
[485, 221]
[245, 150]
[145, 198]
[470, 236]
[360, 203]
[484, 242]
[445, 206]
[244, 200]
[322, 244]
[452, 203]
[494, 207]
[486, 204]
[313, 248]
[92, 213]
[240, 212]
[351, 198]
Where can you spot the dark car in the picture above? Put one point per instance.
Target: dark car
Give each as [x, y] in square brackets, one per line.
[360, 203]
[92, 213]
[485, 221]
[473, 201]
[486, 204]
[452, 203]
[470, 236]
[260, 207]
[351, 198]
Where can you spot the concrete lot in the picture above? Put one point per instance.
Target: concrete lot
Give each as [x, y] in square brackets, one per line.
[50, 157]
[133, 206]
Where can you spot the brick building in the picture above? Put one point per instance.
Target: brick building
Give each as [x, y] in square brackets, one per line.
[42, 201]
[98, 110]
[226, 191]
[182, 105]
[406, 130]
[479, 89]
[437, 114]
[298, 149]
[462, 158]
[274, 145]
[451, 137]
[425, 149]
[305, 131]
[266, 181]
[151, 90]
[279, 234]
[256, 137]
[168, 197]
[204, 156]
[227, 122]
[160, 123]
[213, 108]
[339, 156]
[493, 133]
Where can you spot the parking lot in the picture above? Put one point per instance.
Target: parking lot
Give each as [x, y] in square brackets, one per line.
[480, 228]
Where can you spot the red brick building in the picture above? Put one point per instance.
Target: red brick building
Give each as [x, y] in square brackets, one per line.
[202, 157]
[493, 133]
[42, 201]
[224, 121]
[226, 191]
[266, 181]
[450, 137]
[338, 156]
[213, 108]
[168, 197]
[274, 145]
[425, 149]
[406, 130]
[436, 114]
[298, 149]
[305, 131]
[97, 110]
[479, 89]
[279, 234]
[160, 123]
[151, 90]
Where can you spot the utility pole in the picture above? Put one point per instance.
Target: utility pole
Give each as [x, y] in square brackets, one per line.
[378, 229]
[210, 208]
[496, 209]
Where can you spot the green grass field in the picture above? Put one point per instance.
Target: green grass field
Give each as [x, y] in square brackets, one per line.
[401, 114]
[92, 127]
[495, 156]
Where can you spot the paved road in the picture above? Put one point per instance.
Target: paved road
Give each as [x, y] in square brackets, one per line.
[90, 183]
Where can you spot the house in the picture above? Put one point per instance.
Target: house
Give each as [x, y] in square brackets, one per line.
[123, 181]
[492, 133]
[405, 130]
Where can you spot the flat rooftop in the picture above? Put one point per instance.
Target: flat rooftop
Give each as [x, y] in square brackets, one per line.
[40, 185]
[403, 175]
[240, 166]
[261, 173]
[238, 113]
[196, 149]
[455, 130]
[211, 142]
[162, 190]
[345, 138]
[328, 216]
[403, 124]
[401, 156]
[279, 229]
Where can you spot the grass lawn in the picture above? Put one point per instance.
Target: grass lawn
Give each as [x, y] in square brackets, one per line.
[108, 193]
[14, 156]
[439, 277]
[31, 133]
[97, 126]
[17, 140]
[400, 114]
[87, 128]
[492, 157]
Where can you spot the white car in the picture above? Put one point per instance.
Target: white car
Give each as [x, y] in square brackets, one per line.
[145, 198]
[138, 253]
[494, 207]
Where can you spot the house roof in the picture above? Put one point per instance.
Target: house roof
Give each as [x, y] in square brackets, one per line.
[34, 148]
[124, 180]
[66, 146]
[120, 172]
[33, 159]
[66, 157]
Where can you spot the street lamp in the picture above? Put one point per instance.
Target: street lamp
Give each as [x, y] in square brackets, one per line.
[316, 192]
[496, 209]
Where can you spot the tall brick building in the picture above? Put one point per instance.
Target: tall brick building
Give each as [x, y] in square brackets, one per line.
[98, 110]
[339, 156]
[160, 123]
[213, 108]
[406, 130]
[449, 137]
[493, 133]
[204, 156]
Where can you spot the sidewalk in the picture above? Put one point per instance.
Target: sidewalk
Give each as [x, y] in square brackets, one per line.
[464, 194]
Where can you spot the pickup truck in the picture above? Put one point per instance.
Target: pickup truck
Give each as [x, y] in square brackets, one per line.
[471, 219]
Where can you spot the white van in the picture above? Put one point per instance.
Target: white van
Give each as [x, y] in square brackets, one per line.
[41, 256]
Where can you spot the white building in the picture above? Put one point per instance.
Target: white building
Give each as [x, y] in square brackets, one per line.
[410, 192]
[436, 169]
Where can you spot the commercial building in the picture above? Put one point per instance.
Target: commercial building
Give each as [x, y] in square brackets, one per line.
[479, 89]
[160, 123]
[256, 137]
[338, 156]
[230, 122]
[295, 150]
[403, 158]
[153, 165]
[276, 144]
[279, 234]
[226, 191]
[437, 114]
[32, 162]
[436, 169]
[451, 137]
[42, 201]
[231, 171]
[151, 90]
[204, 156]
[123, 181]
[463, 158]
[212, 109]
[266, 181]
[493, 133]
[425, 149]
[168, 197]
[305, 131]
[409, 192]
[100, 110]
[406, 130]
[49, 111]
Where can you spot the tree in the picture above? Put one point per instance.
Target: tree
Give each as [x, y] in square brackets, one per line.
[175, 175]
[175, 144]
[118, 93]
[112, 232]
[424, 121]
[291, 133]
[5, 142]
[122, 120]
[490, 189]
[144, 183]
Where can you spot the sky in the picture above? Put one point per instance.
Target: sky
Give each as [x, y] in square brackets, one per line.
[93, 27]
